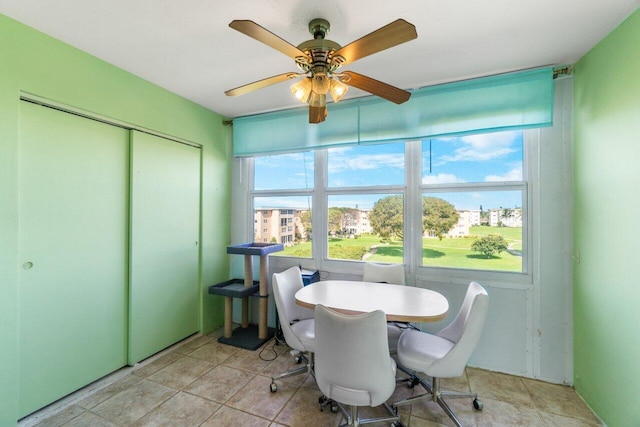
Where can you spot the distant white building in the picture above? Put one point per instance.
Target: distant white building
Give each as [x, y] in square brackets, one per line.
[473, 217]
[364, 226]
[505, 217]
[463, 225]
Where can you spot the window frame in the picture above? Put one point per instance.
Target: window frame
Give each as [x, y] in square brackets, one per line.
[322, 202]
[412, 191]
[448, 274]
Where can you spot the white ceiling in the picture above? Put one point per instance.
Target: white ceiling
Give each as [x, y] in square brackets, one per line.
[188, 48]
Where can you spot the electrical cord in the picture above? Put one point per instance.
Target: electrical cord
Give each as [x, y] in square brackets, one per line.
[278, 340]
[272, 349]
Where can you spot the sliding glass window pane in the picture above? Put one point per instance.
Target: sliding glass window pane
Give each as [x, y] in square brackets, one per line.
[284, 171]
[285, 220]
[366, 227]
[479, 230]
[489, 157]
[366, 165]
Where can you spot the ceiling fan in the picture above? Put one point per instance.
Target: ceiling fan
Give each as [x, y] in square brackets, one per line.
[319, 60]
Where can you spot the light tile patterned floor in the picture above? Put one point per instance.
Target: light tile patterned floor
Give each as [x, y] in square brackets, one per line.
[201, 382]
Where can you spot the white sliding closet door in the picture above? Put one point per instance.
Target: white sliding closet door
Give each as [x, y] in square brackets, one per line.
[73, 228]
[165, 227]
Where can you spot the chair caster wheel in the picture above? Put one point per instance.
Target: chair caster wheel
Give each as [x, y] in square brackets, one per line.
[298, 359]
[477, 404]
[273, 387]
[322, 402]
[412, 382]
[334, 408]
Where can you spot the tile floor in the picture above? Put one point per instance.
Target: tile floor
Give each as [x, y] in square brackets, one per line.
[201, 382]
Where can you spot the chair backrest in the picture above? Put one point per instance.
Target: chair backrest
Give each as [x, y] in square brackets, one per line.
[464, 332]
[285, 285]
[352, 362]
[387, 273]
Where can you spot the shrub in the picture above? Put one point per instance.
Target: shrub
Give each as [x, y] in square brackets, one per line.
[489, 245]
[347, 252]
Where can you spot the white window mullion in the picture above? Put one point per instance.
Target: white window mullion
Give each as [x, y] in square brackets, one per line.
[320, 208]
[413, 208]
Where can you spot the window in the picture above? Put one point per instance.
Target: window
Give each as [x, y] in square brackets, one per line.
[472, 202]
[463, 201]
[365, 202]
[283, 189]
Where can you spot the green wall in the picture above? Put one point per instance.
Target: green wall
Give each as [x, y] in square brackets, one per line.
[606, 226]
[34, 63]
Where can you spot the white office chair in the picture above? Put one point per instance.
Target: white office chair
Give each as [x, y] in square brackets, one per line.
[387, 273]
[445, 355]
[352, 362]
[296, 322]
[383, 273]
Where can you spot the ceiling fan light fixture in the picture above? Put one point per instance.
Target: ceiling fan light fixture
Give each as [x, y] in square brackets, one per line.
[318, 99]
[321, 83]
[338, 89]
[302, 89]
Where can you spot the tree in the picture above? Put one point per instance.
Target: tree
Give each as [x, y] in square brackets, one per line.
[504, 215]
[386, 217]
[438, 216]
[489, 245]
[484, 216]
[335, 221]
[305, 220]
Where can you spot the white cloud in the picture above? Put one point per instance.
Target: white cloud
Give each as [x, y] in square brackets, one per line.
[512, 175]
[441, 178]
[482, 147]
[491, 139]
[282, 160]
[365, 162]
[472, 154]
[283, 202]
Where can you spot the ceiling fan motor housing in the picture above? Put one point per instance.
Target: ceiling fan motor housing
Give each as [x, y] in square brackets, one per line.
[319, 49]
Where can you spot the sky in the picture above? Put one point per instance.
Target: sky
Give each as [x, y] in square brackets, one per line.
[483, 158]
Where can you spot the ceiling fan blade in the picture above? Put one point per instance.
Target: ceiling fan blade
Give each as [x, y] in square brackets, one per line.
[375, 87]
[265, 36]
[393, 34]
[317, 114]
[241, 90]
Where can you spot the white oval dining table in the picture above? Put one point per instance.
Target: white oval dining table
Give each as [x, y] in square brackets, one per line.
[400, 303]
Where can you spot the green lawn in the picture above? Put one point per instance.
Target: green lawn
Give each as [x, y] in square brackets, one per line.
[448, 252]
[457, 252]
